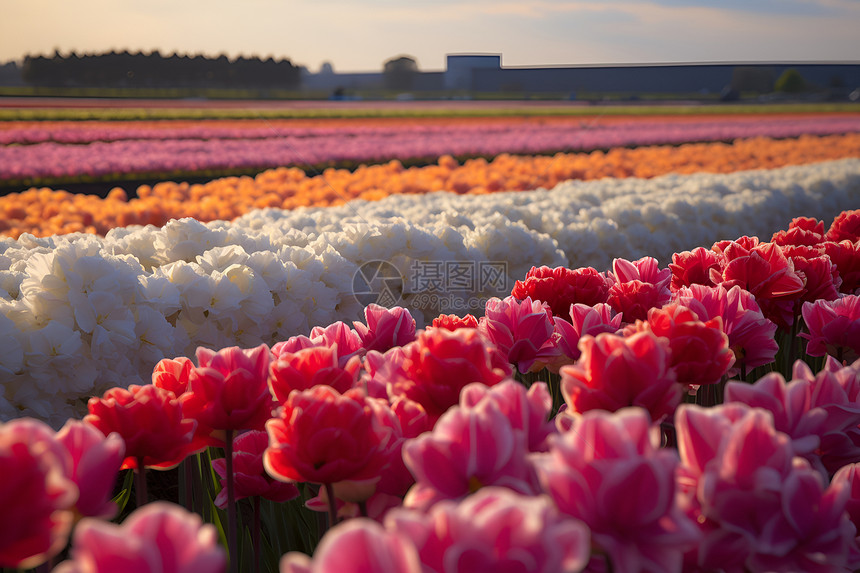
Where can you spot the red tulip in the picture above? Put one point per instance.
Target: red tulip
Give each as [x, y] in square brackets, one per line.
[845, 256]
[764, 271]
[692, 267]
[846, 226]
[432, 370]
[150, 421]
[561, 287]
[453, 322]
[250, 477]
[322, 436]
[802, 231]
[311, 367]
[229, 391]
[700, 350]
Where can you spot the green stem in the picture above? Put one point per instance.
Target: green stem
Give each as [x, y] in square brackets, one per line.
[332, 505]
[189, 484]
[255, 534]
[231, 506]
[140, 482]
[792, 349]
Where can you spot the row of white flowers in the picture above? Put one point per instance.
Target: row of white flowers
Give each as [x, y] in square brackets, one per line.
[81, 314]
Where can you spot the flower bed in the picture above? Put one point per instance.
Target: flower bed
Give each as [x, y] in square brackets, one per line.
[587, 422]
[323, 140]
[44, 212]
[212, 149]
[83, 313]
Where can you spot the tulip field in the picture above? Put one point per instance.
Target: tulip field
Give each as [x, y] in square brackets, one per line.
[425, 337]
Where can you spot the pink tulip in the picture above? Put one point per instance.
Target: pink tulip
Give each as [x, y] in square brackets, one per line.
[561, 287]
[751, 335]
[357, 546]
[436, 366]
[36, 495]
[339, 333]
[95, 462]
[527, 409]
[157, 537]
[385, 328]
[523, 331]
[292, 345]
[469, 448]
[836, 391]
[848, 479]
[639, 286]
[173, 374]
[250, 477]
[228, 390]
[495, 529]
[615, 372]
[834, 327]
[749, 492]
[816, 412]
[608, 471]
[322, 436]
[150, 421]
[646, 269]
[584, 321]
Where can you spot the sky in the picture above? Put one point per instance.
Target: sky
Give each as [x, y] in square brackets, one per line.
[361, 35]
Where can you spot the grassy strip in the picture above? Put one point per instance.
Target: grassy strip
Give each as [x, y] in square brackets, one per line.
[400, 111]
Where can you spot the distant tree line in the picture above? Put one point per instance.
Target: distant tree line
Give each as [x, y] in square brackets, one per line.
[126, 69]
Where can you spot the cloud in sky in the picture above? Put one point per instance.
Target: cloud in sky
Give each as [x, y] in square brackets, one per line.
[361, 35]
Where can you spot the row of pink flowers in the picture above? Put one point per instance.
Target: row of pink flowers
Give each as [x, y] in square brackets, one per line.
[601, 134]
[129, 150]
[427, 433]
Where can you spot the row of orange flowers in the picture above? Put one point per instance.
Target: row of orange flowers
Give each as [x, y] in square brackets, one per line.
[45, 212]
